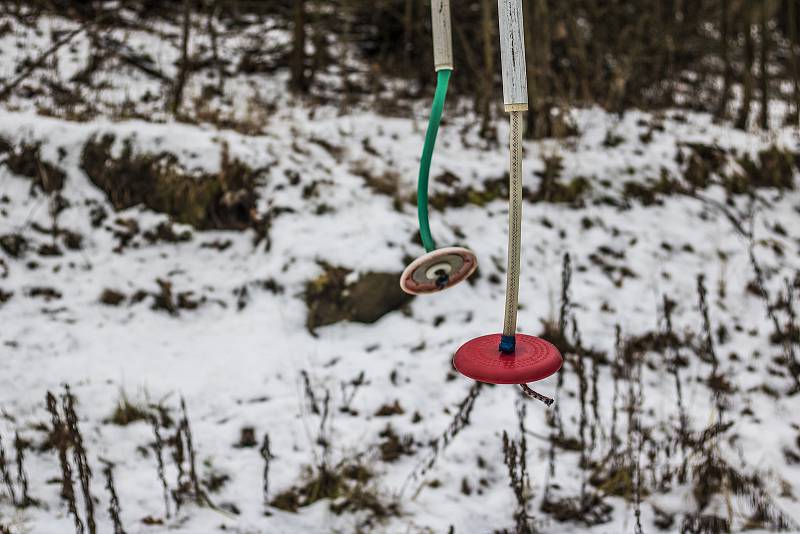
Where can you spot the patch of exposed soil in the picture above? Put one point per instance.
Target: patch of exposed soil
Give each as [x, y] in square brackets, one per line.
[223, 201]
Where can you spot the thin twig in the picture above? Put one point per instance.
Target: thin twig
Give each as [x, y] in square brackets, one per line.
[10, 86]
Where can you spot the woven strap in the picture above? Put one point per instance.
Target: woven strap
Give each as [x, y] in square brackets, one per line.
[535, 395]
[514, 225]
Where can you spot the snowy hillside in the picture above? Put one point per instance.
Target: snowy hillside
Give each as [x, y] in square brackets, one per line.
[150, 263]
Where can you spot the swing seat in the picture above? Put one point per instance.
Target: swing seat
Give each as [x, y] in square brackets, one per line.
[438, 270]
[533, 359]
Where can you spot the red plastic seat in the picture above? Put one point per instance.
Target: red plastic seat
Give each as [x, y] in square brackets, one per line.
[533, 359]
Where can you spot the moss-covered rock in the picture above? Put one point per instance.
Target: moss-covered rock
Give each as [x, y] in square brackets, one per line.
[206, 201]
[330, 299]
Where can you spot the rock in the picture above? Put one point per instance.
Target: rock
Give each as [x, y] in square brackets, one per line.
[374, 295]
[247, 438]
[5, 296]
[388, 410]
[49, 250]
[46, 293]
[330, 299]
[110, 297]
[72, 240]
[13, 244]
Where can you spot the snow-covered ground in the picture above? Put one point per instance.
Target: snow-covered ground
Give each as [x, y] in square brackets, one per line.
[239, 361]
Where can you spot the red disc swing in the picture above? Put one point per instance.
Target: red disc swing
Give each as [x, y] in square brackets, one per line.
[511, 358]
[532, 359]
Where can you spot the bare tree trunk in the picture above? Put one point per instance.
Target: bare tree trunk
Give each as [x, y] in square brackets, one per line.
[347, 38]
[722, 109]
[661, 57]
[530, 22]
[408, 34]
[183, 68]
[487, 34]
[794, 116]
[747, 76]
[213, 14]
[537, 55]
[469, 54]
[764, 77]
[321, 58]
[581, 59]
[420, 36]
[297, 61]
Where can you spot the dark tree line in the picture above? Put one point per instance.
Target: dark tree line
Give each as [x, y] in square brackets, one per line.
[618, 54]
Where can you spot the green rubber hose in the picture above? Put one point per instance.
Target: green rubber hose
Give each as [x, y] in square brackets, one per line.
[427, 154]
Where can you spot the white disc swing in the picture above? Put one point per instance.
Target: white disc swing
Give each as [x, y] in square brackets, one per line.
[441, 268]
[511, 358]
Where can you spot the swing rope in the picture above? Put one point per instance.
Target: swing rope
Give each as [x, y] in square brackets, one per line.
[442, 81]
[507, 341]
[526, 389]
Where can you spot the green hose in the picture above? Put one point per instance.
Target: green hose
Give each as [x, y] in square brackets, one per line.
[427, 154]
